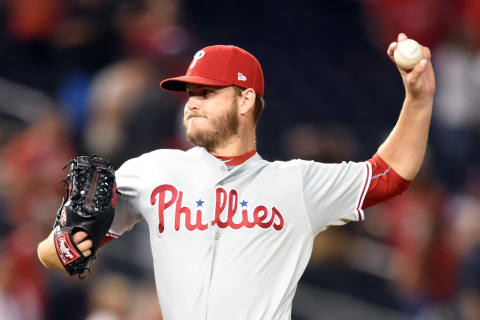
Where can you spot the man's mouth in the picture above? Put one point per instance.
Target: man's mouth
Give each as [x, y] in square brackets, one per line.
[194, 116]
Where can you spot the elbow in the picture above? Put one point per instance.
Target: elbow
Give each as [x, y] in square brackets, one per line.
[404, 170]
[386, 182]
[407, 173]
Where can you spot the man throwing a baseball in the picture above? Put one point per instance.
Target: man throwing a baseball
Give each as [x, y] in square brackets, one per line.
[231, 234]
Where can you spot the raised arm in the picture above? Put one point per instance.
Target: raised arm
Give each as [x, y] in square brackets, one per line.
[404, 149]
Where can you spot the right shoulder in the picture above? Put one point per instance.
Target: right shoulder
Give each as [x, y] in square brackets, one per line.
[157, 157]
[162, 155]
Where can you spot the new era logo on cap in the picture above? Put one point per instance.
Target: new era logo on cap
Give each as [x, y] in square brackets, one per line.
[220, 65]
[241, 77]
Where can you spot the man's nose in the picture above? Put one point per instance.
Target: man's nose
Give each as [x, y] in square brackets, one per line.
[192, 104]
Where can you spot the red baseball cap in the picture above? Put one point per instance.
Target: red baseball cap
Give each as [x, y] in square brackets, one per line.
[221, 66]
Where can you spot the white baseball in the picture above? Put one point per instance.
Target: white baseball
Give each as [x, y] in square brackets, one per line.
[408, 53]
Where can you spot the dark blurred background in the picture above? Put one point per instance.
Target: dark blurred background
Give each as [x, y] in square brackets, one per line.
[81, 77]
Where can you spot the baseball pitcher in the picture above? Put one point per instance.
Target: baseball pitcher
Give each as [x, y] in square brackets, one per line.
[232, 233]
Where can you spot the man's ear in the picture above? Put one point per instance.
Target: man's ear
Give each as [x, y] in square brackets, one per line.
[246, 101]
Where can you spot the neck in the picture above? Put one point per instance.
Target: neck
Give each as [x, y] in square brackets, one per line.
[237, 145]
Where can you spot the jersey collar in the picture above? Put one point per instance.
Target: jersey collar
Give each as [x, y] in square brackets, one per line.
[252, 162]
[236, 160]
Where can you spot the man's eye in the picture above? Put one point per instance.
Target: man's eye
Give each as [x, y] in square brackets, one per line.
[199, 93]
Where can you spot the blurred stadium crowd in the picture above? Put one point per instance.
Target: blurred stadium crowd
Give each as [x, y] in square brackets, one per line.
[81, 77]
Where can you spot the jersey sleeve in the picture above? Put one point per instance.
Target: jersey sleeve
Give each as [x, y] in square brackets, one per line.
[333, 193]
[386, 183]
[126, 212]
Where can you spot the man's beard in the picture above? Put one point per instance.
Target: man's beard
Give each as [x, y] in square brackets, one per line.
[223, 128]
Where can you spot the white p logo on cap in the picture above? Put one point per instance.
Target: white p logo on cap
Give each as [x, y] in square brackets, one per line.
[199, 55]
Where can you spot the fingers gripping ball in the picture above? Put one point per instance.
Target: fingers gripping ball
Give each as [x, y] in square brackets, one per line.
[89, 206]
[407, 54]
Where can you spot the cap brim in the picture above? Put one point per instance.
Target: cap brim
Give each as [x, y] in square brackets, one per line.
[179, 83]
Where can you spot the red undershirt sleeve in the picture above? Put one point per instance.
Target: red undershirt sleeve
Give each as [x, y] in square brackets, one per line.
[108, 237]
[385, 183]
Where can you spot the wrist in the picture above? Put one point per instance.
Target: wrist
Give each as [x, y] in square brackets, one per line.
[47, 254]
[44, 253]
[421, 101]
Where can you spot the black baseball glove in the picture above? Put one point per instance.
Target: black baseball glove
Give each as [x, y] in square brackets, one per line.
[89, 206]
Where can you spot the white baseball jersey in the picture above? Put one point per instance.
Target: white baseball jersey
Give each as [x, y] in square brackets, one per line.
[232, 244]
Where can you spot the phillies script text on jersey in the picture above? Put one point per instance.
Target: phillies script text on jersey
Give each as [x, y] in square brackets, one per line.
[262, 217]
